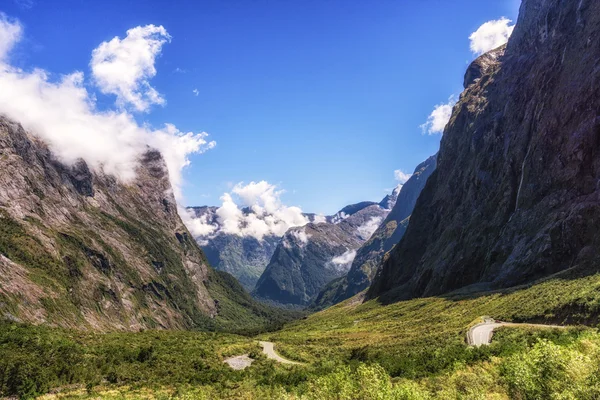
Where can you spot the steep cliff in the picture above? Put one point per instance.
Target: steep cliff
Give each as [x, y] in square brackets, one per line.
[309, 257]
[370, 255]
[516, 194]
[80, 249]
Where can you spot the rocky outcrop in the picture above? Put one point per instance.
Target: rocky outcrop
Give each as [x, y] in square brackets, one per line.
[516, 194]
[81, 249]
[370, 255]
[308, 257]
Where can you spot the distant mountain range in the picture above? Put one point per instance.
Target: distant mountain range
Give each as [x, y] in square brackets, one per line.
[324, 262]
[309, 257]
[370, 255]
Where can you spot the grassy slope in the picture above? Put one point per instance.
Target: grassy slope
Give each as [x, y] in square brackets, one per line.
[238, 312]
[419, 345]
[416, 337]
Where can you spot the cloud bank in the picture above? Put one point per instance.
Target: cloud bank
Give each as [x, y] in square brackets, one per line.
[254, 210]
[491, 35]
[63, 113]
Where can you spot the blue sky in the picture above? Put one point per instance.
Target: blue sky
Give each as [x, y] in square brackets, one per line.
[322, 98]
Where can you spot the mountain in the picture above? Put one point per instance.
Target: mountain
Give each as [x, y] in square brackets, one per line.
[244, 257]
[370, 255]
[515, 196]
[309, 257]
[80, 249]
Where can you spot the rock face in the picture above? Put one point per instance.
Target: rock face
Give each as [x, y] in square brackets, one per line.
[244, 257]
[516, 195]
[308, 257]
[79, 249]
[370, 255]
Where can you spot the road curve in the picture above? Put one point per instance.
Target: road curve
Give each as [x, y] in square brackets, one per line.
[481, 334]
[269, 350]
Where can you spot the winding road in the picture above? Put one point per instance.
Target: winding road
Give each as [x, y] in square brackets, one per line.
[269, 350]
[481, 334]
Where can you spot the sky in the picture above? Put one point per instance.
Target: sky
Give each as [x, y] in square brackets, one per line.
[320, 103]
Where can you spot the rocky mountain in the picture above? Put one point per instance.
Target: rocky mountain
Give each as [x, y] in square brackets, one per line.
[370, 255]
[80, 249]
[244, 257]
[516, 194]
[309, 257]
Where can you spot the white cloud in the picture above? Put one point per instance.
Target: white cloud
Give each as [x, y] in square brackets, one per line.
[319, 219]
[63, 113]
[401, 176]
[196, 92]
[439, 117]
[10, 33]
[366, 230]
[339, 217]
[344, 259]
[123, 67]
[491, 35]
[24, 4]
[199, 226]
[267, 214]
[301, 235]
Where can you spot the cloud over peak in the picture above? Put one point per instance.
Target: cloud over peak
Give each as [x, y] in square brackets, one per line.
[491, 35]
[123, 67]
[254, 209]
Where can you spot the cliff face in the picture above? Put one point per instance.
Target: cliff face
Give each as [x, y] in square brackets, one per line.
[80, 249]
[516, 194]
[370, 255]
[307, 258]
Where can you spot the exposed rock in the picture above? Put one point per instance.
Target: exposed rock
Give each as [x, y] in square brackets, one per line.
[309, 257]
[370, 255]
[516, 195]
[79, 249]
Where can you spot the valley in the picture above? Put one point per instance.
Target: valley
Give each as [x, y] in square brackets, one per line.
[476, 277]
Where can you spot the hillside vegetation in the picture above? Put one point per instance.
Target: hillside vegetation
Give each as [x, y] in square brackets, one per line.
[409, 350]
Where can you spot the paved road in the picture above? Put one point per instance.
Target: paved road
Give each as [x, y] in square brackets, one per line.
[481, 334]
[269, 350]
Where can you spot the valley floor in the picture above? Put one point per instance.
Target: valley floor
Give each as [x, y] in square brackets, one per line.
[408, 350]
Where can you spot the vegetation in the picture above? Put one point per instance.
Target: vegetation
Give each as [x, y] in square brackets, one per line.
[408, 350]
[416, 338]
[520, 364]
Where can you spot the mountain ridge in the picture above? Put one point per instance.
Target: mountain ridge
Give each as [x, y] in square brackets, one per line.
[80, 249]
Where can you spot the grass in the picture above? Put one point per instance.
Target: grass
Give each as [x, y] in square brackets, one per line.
[420, 337]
